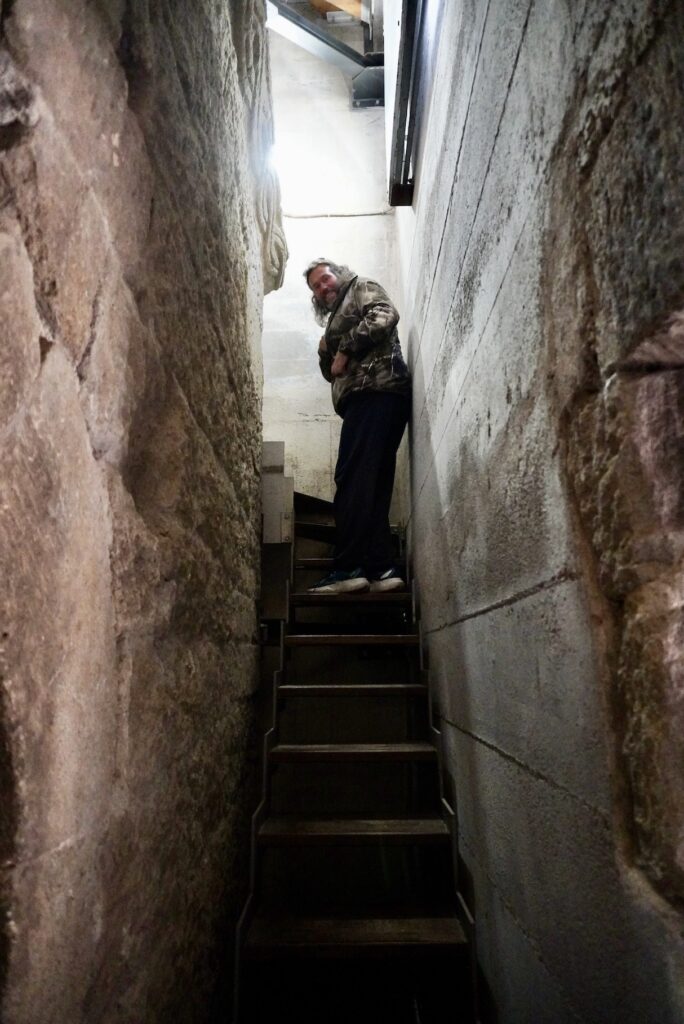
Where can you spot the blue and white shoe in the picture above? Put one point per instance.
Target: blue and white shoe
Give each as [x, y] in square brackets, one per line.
[385, 581]
[340, 582]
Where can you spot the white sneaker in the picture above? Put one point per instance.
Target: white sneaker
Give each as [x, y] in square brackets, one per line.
[386, 581]
[340, 583]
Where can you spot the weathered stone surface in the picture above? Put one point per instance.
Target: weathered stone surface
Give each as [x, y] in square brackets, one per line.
[135, 234]
[114, 371]
[483, 443]
[19, 324]
[17, 103]
[617, 308]
[252, 53]
[58, 615]
[596, 947]
[519, 679]
[544, 317]
[67, 241]
[624, 450]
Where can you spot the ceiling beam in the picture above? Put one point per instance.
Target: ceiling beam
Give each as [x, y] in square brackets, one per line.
[352, 7]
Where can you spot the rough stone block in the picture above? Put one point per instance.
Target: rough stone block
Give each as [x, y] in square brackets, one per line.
[69, 52]
[65, 892]
[55, 530]
[64, 232]
[135, 236]
[113, 371]
[19, 323]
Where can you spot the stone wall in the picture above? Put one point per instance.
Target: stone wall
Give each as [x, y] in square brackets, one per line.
[138, 227]
[544, 282]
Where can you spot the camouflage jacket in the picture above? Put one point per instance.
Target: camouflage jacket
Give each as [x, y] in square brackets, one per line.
[363, 325]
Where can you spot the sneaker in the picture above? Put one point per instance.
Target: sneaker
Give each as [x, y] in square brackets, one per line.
[388, 580]
[340, 583]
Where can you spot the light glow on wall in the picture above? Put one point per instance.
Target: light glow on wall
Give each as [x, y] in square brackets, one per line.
[329, 173]
[299, 170]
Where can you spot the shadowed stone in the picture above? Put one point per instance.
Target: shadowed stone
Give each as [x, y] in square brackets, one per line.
[136, 234]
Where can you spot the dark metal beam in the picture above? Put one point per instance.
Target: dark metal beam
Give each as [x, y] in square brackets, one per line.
[287, 22]
[405, 107]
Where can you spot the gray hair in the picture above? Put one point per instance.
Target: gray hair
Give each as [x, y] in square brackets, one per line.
[321, 312]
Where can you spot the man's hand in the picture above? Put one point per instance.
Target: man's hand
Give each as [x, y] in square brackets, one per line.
[339, 364]
[322, 346]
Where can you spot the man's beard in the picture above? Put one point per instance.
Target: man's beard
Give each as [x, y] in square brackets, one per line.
[330, 298]
[323, 309]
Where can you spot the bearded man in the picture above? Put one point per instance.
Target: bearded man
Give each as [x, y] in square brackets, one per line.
[360, 355]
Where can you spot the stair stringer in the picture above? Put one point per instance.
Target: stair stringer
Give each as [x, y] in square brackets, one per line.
[464, 912]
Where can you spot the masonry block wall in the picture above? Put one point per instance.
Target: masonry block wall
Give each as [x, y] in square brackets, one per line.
[138, 229]
[544, 297]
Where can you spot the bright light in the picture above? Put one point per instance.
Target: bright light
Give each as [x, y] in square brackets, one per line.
[272, 159]
[319, 176]
[298, 170]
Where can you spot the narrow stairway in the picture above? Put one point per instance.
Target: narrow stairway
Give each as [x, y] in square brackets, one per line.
[353, 910]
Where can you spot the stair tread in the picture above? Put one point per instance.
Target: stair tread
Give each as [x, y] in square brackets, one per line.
[314, 563]
[282, 932]
[351, 639]
[352, 689]
[383, 829]
[309, 504]
[324, 532]
[365, 597]
[350, 751]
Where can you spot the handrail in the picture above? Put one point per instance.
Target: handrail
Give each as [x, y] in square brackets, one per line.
[404, 123]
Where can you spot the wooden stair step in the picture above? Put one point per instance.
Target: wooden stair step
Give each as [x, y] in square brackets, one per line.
[305, 564]
[352, 639]
[393, 597]
[308, 504]
[353, 690]
[325, 532]
[344, 831]
[276, 936]
[353, 752]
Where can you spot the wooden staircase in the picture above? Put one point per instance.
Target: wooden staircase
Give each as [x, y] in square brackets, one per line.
[353, 914]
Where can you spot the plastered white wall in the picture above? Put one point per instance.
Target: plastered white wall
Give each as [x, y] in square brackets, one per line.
[330, 161]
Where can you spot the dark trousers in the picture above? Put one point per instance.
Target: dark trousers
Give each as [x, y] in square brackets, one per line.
[372, 428]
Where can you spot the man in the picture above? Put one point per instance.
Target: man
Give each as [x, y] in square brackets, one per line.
[359, 354]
